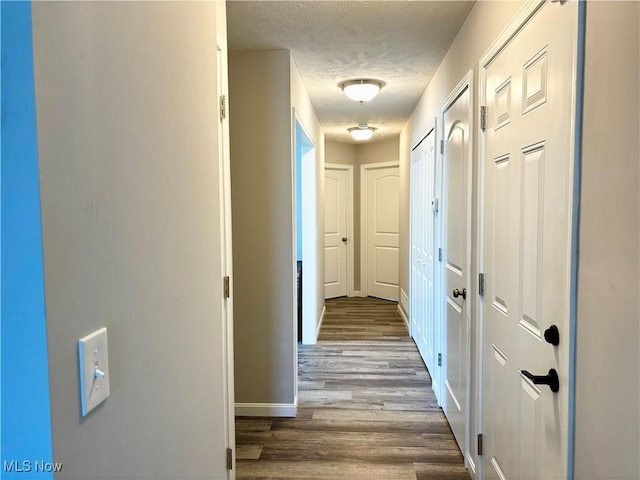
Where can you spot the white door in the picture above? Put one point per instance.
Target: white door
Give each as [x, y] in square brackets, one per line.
[423, 226]
[528, 188]
[226, 258]
[335, 232]
[456, 117]
[381, 210]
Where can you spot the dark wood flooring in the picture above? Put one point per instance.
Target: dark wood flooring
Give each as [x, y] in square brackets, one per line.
[366, 408]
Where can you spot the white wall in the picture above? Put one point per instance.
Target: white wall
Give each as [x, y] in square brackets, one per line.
[340, 153]
[607, 439]
[127, 131]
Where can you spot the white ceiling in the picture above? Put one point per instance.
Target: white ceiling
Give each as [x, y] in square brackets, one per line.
[398, 42]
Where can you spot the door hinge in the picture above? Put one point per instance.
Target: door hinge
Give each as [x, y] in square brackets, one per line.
[435, 205]
[481, 284]
[223, 107]
[227, 287]
[440, 254]
[480, 439]
[439, 359]
[442, 146]
[229, 459]
[483, 118]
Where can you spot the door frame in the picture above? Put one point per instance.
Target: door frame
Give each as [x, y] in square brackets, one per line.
[350, 245]
[364, 171]
[512, 28]
[224, 171]
[465, 83]
[310, 263]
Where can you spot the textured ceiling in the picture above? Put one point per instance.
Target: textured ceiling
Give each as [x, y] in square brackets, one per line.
[398, 42]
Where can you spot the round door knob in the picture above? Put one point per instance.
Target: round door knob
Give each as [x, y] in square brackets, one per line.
[344, 239]
[552, 335]
[457, 293]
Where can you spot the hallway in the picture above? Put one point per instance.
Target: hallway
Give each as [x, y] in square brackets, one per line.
[366, 409]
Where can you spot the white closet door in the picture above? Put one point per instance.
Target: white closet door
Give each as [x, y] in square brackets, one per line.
[528, 187]
[423, 254]
[381, 208]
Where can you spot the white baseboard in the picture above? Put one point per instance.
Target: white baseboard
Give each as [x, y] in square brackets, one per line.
[404, 317]
[266, 409]
[358, 293]
[472, 466]
[324, 309]
[404, 301]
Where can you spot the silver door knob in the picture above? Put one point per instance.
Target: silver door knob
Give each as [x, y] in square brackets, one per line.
[344, 239]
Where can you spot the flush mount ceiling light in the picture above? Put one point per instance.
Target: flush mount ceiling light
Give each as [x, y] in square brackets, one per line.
[362, 132]
[361, 90]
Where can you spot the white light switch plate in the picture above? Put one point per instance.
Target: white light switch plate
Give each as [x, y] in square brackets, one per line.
[94, 369]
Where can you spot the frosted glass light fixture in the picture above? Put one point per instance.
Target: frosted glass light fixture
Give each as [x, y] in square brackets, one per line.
[361, 90]
[362, 132]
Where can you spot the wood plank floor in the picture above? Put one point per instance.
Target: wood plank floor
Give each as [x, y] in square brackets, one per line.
[366, 408]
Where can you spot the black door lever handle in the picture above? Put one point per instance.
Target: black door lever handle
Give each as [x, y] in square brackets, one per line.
[457, 293]
[550, 379]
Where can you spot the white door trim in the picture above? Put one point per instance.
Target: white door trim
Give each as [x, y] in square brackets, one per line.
[224, 166]
[465, 83]
[364, 169]
[423, 134]
[350, 251]
[514, 26]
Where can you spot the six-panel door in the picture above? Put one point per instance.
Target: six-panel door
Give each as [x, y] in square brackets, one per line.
[528, 194]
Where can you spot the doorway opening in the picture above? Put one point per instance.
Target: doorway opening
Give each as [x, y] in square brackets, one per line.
[306, 233]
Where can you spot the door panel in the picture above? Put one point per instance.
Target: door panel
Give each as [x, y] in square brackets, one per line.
[526, 237]
[332, 268]
[456, 164]
[335, 229]
[381, 227]
[386, 265]
[456, 147]
[530, 431]
[386, 206]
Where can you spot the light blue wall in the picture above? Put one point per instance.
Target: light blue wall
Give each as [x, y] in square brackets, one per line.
[302, 146]
[26, 419]
[298, 151]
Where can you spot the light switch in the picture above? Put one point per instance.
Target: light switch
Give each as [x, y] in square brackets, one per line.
[94, 369]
